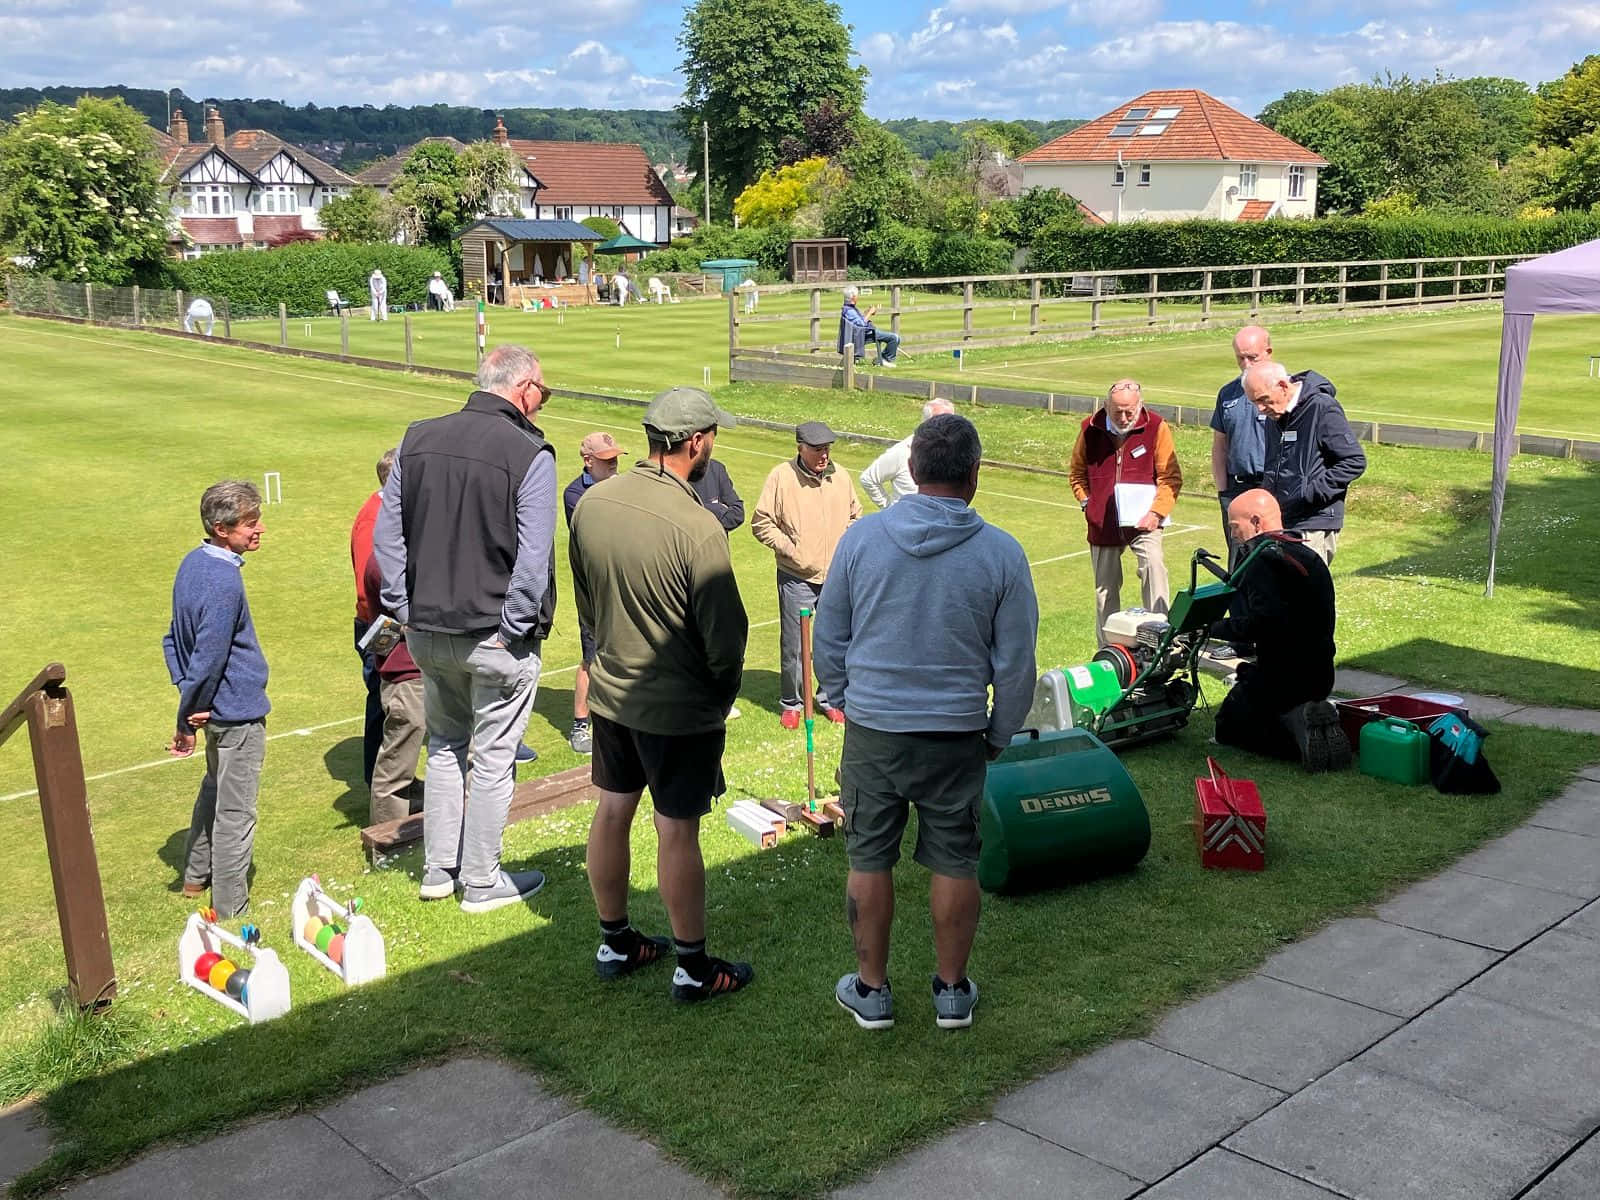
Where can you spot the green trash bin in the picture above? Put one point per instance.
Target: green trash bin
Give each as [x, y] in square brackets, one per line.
[1058, 808]
[734, 271]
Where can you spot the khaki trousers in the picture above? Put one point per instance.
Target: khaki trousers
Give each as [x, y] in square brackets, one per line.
[1107, 562]
[1324, 542]
[395, 791]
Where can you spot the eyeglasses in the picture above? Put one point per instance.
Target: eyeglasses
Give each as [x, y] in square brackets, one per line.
[544, 388]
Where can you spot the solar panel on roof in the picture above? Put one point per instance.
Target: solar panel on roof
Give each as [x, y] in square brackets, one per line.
[1166, 114]
[1153, 130]
[1126, 129]
[1137, 114]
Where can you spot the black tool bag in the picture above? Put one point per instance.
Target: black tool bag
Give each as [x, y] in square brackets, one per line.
[1456, 759]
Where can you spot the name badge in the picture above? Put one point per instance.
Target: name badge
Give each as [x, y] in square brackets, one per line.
[1292, 436]
[1137, 451]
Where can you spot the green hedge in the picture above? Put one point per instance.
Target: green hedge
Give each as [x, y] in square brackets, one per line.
[768, 245]
[299, 275]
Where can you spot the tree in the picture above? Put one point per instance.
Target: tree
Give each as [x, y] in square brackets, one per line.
[490, 179]
[752, 67]
[1569, 107]
[1506, 106]
[1334, 130]
[826, 130]
[79, 194]
[880, 187]
[1561, 176]
[779, 195]
[365, 215]
[428, 195]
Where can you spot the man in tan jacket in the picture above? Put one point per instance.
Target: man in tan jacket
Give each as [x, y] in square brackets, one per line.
[806, 505]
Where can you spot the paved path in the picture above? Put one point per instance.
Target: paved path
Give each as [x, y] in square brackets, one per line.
[1448, 1047]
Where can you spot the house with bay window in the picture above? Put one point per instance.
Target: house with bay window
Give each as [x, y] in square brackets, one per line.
[1176, 154]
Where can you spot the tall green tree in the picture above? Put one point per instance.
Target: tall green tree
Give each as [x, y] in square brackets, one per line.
[881, 186]
[752, 68]
[365, 215]
[78, 192]
[1506, 106]
[1569, 107]
[428, 195]
[490, 180]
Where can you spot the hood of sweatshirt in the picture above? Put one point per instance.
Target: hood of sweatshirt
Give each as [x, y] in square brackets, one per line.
[1312, 384]
[923, 526]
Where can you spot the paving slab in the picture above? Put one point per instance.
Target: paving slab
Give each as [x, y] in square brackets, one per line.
[1543, 858]
[431, 1119]
[1369, 1134]
[1272, 1032]
[1578, 1178]
[1576, 810]
[1477, 909]
[579, 1155]
[1592, 771]
[1576, 720]
[24, 1140]
[1585, 922]
[295, 1158]
[1554, 974]
[1222, 1175]
[993, 1159]
[1379, 965]
[1350, 681]
[1535, 1068]
[1136, 1107]
[1489, 708]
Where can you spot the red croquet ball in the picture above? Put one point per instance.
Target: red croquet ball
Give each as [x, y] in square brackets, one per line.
[203, 965]
[336, 948]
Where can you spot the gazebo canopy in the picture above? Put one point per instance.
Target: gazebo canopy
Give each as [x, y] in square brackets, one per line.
[623, 243]
[515, 229]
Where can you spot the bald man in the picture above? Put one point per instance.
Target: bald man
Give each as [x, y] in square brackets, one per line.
[1312, 456]
[1285, 609]
[1238, 431]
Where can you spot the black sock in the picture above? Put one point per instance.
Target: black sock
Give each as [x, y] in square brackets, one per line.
[863, 990]
[961, 985]
[580, 722]
[617, 934]
[692, 957]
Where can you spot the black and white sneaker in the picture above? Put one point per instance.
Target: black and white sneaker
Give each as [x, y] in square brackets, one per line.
[723, 978]
[1319, 735]
[614, 964]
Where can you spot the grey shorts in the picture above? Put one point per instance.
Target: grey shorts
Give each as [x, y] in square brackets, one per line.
[882, 775]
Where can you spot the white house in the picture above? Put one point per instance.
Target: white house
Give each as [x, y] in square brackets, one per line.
[246, 189]
[1176, 154]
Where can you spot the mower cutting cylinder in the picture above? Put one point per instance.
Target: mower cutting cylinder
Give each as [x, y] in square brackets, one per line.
[1059, 808]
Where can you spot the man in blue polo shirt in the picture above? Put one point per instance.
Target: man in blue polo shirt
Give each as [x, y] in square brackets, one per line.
[1238, 440]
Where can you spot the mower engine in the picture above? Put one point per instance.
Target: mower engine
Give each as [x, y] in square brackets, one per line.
[1150, 664]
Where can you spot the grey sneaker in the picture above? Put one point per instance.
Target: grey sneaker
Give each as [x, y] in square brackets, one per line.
[733, 712]
[438, 883]
[1319, 735]
[581, 739]
[875, 1010]
[952, 1008]
[512, 888]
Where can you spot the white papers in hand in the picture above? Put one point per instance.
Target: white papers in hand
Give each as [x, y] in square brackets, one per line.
[1134, 501]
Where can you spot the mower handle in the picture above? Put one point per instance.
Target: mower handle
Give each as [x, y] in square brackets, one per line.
[1204, 558]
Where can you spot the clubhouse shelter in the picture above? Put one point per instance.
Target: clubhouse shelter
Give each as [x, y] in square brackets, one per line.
[513, 260]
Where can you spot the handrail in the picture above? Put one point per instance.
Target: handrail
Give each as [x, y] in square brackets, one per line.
[53, 675]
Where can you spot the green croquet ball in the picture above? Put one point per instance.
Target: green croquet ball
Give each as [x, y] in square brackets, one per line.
[235, 984]
[336, 948]
[325, 935]
[203, 965]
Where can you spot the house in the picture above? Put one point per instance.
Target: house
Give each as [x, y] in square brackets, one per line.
[1176, 154]
[384, 173]
[684, 221]
[246, 189]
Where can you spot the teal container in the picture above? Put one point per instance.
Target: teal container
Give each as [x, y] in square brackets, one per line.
[1395, 750]
[1058, 808]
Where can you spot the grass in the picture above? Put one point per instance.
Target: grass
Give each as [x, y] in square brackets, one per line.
[764, 1092]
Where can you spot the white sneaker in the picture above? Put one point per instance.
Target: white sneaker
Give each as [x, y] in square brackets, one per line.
[733, 712]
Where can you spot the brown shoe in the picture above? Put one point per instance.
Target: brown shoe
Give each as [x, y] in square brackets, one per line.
[193, 891]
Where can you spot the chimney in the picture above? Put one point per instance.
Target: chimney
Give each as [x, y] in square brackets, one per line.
[501, 137]
[178, 126]
[214, 133]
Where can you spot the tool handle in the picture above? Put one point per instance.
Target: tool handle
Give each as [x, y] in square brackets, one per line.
[1224, 785]
[810, 708]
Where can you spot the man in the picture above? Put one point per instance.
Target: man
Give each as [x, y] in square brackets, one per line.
[653, 578]
[717, 494]
[1285, 608]
[849, 314]
[366, 611]
[912, 738]
[806, 505]
[1126, 478]
[439, 294]
[214, 660]
[599, 452]
[466, 543]
[1312, 457]
[889, 476]
[1238, 431]
[619, 288]
[199, 313]
[394, 792]
[378, 287]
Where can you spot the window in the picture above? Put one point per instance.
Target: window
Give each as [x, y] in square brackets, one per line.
[208, 199]
[1247, 181]
[277, 198]
[1155, 130]
[563, 214]
[1119, 175]
[1144, 174]
[1166, 114]
[1124, 129]
[1297, 182]
[616, 213]
[328, 193]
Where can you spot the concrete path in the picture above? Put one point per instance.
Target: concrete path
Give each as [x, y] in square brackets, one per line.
[1448, 1047]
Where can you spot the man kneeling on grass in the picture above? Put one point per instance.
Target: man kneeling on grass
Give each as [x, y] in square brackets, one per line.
[919, 729]
[1284, 609]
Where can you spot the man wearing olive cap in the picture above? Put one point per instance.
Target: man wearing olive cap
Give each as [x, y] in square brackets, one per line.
[653, 579]
[806, 505]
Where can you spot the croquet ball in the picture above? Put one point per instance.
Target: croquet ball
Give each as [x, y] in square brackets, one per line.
[220, 973]
[243, 976]
[234, 985]
[203, 965]
[312, 927]
[324, 936]
[336, 948]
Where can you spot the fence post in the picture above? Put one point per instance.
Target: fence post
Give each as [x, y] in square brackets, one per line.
[816, 319]
[1383, 286]
[1033, 306]
[407, 318]
[1094, 305]
[283, 324]
[1456, 293]
[1150, 302]
[179, 294]
[1489, 279]
[227, 319]
[1344, 276]
[966, 311]
[1299, 288]
[894, 309]
[88, 300]
[344, 333]
[1417, 295]
[1205, 297]
[136, 304]
[1255, 291]
[849, 357]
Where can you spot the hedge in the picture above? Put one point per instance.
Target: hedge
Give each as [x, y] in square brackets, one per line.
[768, 245]
[300, 274]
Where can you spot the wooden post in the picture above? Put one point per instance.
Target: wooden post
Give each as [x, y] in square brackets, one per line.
[1150, 300]
[816, 319]
[1255, 291]
[227, 318]
[1417, 294]
[733, 322]
[136, 302]
[180, 308]
[283, 324]
[1094, 305]
[849, 357]
[1489, 278]
[88, 300]
[406, 317]
[344, 332]
[966, 311]
[1455, 293]
[1344, 277]
[1383, 285]
[894, 309]
[1299, 288]
[1205, 297]
[1033, 306]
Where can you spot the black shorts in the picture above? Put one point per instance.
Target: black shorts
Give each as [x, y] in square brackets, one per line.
[586, 643]
[682, 771]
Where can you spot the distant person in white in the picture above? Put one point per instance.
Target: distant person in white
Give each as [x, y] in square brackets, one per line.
[619, 288]
[378, 287]
[199, 310]
[893, 466]
[439, 294]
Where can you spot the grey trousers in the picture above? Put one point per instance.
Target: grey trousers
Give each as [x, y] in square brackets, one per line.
[405, 728]
[1107, 562]
[477, 695]
[1324, 542]
[793, 595]
[222, 830]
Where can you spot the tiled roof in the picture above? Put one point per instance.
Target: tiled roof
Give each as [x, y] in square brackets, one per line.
[592, 173]
[386, 170]
[1090, 217]
[1204, 130]
[182, 157]
[253, 149]
[1255, 210]
[213, 231]
[268, 227]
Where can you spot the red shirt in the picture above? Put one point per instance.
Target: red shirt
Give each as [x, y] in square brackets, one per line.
[361, 551]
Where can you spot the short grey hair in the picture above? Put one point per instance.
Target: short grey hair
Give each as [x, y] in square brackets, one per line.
[504, 366]
[944, 449]
[851, 292]
[934, 407]
[386, 464]
[228, 503]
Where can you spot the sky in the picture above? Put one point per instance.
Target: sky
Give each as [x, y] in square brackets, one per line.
[1003, 59]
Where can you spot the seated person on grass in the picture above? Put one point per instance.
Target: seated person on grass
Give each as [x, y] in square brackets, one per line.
[1285, 610]
[849, 314]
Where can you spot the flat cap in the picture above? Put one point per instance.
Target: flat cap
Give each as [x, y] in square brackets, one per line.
[678, 412]
[814, 433]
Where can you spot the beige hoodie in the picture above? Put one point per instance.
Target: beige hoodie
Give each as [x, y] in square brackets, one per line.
[802, 516]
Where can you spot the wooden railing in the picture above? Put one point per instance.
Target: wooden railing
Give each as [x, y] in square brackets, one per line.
[45, 705]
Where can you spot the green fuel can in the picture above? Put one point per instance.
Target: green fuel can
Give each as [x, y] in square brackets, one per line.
[1395, 750]
[1058, 808]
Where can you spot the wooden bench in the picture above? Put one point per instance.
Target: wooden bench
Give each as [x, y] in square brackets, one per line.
[531, 799]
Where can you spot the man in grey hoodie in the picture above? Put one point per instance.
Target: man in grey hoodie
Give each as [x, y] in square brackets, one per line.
[919, 728]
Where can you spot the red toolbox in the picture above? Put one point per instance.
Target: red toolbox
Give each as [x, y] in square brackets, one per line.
[1353, 714]
[1230, 823]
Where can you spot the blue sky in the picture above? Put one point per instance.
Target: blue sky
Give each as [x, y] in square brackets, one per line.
[963, 58]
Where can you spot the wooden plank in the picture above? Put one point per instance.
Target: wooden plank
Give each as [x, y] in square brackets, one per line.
[532, 799]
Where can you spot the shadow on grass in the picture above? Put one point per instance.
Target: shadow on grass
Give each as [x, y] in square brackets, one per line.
[344, 762]
[1430, 659]
[760, 689]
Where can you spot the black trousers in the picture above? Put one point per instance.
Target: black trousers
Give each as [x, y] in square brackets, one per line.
[1251, 719]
